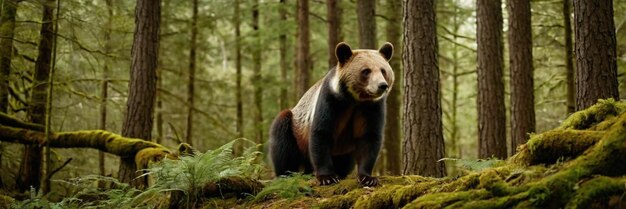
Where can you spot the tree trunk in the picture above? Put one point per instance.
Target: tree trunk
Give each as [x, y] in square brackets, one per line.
[366, 11]
[238, 89]
[105, 81]
[521, 64]
[393, 119]
[30, 172]
[142, 87]
[596, 61]
[455, 152]
[303, 59]
[257, 80]
[333, 16]
[491, 110]
[192, 73]
[423, 134]
[7, 30]
[284, 101]
[569, 57]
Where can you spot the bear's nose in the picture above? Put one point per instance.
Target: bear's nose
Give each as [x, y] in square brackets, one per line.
[382, 87]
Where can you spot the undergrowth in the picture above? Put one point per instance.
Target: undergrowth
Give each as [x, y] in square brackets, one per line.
[187, 174]
[290, 188]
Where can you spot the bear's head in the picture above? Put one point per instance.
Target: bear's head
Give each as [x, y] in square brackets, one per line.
[366, 74]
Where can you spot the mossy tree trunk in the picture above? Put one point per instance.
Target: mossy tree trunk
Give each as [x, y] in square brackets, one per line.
[393, 156]
[142, 87]
[491, 109]
[104, 88]
[596, 59]
[423, 129]
[30, 168]
[7, 30]
[521, 64]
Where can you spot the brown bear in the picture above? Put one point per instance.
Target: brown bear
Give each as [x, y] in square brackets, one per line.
[338, 122]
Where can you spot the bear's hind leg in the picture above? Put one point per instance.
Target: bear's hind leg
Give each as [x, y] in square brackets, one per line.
[343, 165]
[284, 152]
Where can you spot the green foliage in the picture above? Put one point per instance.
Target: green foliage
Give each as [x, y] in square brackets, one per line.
[190, 173]
[291, 187]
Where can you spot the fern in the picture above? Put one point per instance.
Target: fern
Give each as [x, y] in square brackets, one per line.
[290, 187]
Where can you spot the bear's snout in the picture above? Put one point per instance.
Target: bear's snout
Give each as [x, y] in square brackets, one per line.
[382, 87]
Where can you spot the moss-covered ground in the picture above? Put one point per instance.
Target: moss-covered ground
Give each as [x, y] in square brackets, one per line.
[581, 164]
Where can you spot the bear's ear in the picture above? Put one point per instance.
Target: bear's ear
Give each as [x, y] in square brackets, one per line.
[343, 53]
[386, 50]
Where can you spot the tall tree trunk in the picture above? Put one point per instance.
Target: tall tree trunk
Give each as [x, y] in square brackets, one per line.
[521, 64]
[303, 59]
[491, 110]
[32, 158]
[142, 87]
[333, 16]
[192, 73]
[455, 152]
[569, 57]
[423, 132]
[238, 89]
[7, 30]
[596, 59]
[366, 12]
[104, 86]
[256, 75]
[393, 119]
[284, 101]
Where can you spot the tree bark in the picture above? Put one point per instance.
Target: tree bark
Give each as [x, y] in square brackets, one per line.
[596, 59]
[333, 16]
[142, 87]
[192, 72]
[423, 134]
[256, 75]
[521, 64]
[238, 89]
[284, 101]
[392, 135]
[7, 30]
[491, 110]
[569, 57]
[30, 169]
[366, 12]
[104, 86]
[303, 59]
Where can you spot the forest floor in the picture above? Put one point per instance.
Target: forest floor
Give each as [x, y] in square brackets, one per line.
[580, 164]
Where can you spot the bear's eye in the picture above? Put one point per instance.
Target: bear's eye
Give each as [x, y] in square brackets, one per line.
[366, 72]
[382, 70]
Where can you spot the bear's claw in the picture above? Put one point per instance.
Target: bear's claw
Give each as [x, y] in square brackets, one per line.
[327, 179]
[368, 181]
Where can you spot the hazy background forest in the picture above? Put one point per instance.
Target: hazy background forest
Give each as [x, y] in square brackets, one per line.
[93, 52]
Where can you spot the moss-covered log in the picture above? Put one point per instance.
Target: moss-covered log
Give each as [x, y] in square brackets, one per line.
[548, 147]
[143, 151]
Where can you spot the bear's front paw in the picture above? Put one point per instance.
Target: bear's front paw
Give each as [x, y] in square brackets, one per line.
[368, 181]
[327, 179]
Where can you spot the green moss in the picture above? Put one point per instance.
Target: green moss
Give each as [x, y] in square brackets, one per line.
[442, 200]
[548, 147]
[593, 115]
[596, 188]
[6, 201]
[341, 201]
